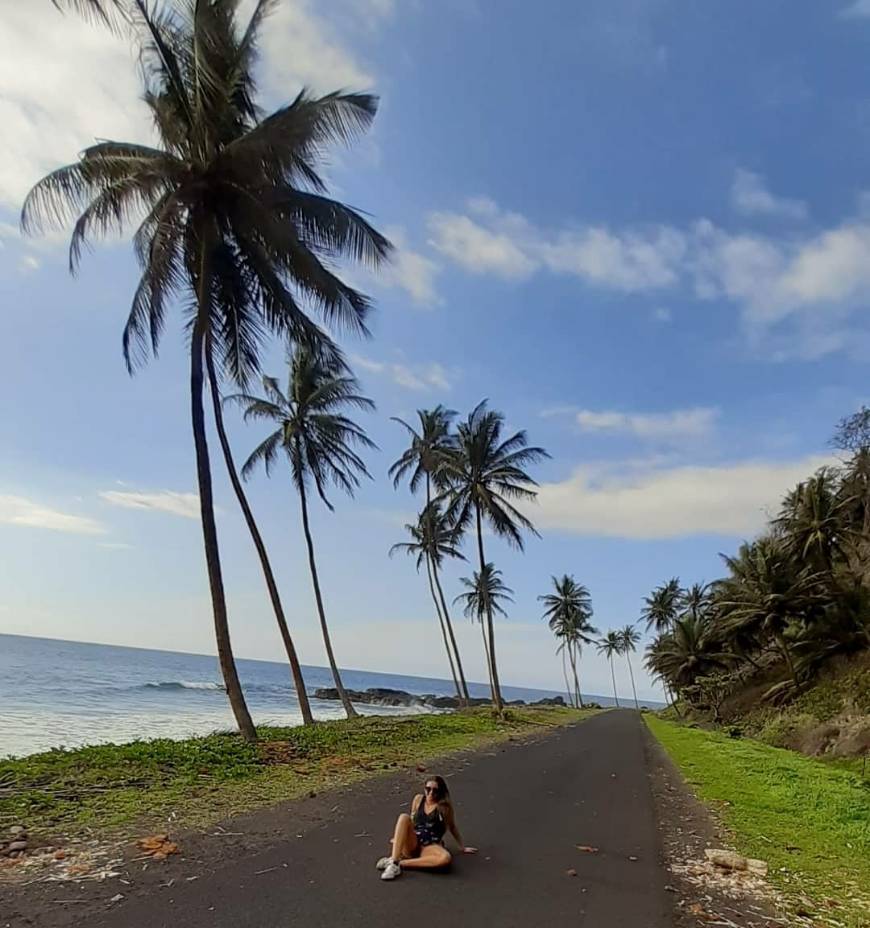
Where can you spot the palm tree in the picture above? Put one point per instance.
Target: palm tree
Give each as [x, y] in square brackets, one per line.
[767, 595]
[421, 462]
[662, 606]
[630, 637]
[568, 611]
[484, 476]
[319, 441]
[610, 645]
[432, 539]
[236, 225]
[688, 651]
[811, 520]
[485, 592]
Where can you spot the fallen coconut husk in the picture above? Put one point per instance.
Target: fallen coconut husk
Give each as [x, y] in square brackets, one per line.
[731, 860]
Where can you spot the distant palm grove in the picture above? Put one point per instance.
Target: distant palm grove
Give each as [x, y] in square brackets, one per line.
[790, 600]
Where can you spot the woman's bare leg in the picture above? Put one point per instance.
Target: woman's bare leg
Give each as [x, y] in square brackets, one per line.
[404, 838]
[432, 857]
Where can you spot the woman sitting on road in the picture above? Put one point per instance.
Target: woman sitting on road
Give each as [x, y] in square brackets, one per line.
[418, 842]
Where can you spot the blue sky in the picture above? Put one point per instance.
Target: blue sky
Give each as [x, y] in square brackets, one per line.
[640, 227]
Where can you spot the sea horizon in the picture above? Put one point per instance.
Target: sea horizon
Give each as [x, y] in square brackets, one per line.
[64, 693]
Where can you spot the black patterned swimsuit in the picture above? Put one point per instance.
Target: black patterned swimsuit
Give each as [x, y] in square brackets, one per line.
[429, 828]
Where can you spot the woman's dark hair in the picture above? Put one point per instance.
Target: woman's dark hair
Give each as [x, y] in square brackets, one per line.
[443, 794]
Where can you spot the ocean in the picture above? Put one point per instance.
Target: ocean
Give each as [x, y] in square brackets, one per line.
[65, 693]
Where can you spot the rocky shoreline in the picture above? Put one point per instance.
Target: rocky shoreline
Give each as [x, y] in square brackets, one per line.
[381, 696]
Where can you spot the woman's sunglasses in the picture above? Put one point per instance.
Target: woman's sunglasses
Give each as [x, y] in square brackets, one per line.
[430, 789]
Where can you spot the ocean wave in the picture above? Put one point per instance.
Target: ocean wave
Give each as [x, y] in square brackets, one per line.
[185, 685]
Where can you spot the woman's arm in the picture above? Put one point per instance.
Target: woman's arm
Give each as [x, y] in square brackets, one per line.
[454, 830]
[415, 804]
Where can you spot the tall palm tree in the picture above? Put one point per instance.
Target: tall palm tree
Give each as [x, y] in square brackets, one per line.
[319, 441]
[662, 606]
[484, 594]
[432, 539]
[811, 520]
[484, 476]
[611, 645]
[237, 227]
[630, 638]
[568, 612]
[420, 463]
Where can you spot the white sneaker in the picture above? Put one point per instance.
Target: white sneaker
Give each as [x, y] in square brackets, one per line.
[391, 871]
[383, 863]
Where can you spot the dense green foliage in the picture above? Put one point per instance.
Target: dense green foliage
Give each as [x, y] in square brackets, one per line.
[808, 819]
[793, 598]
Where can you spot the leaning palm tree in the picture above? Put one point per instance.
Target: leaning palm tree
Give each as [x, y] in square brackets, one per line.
[484, 475]
[420, 463]
[107, 12]
[319, 441]
[484, 594]
[630, 638]
[237, 229]
[611, 645]
[568, 612]
[432, 539]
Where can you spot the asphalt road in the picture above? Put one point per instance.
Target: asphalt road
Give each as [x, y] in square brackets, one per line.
[526, 807]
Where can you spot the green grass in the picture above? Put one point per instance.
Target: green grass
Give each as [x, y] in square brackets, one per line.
[118, 790]
[808, 819]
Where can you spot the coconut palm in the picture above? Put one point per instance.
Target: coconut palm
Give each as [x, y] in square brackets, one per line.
[432, 539]
[484, 594]
[688, 651]
[237, 228]
[811, 520]
[568, 612]
[662, 606]
[320, 444]
[768, 596]
[484, 476]
[630, 638]
[611, 645]
[420, 463]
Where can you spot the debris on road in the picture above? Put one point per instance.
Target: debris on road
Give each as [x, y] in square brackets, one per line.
[157, 847]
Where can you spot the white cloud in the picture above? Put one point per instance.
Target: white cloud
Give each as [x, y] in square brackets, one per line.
[115, 545]
[507, 245]
[28, 264]
[420, 377]
[178, 504]
[750, 197]
[662, 314]
[679, 423]
[301, 48]
[858, 9]
[409, 270]
[42, 54]
[734, 499]
[18, 510]
[478, 249]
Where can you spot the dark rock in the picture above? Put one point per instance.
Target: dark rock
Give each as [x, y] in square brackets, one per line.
[550, 701]
[440, 702]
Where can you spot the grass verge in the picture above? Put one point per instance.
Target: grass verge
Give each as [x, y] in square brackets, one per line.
[114, 789]
[809, 820]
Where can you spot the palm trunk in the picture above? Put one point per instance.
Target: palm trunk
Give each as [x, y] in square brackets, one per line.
[567, 681]
[444, 610]
[631, 674]
[575, 659]
[257, 538]
[336, 676]
[449, 624]
[209, 529]
[443, 629]
[493, 667]
[486, 653]
[786, 653]
[613, 677]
